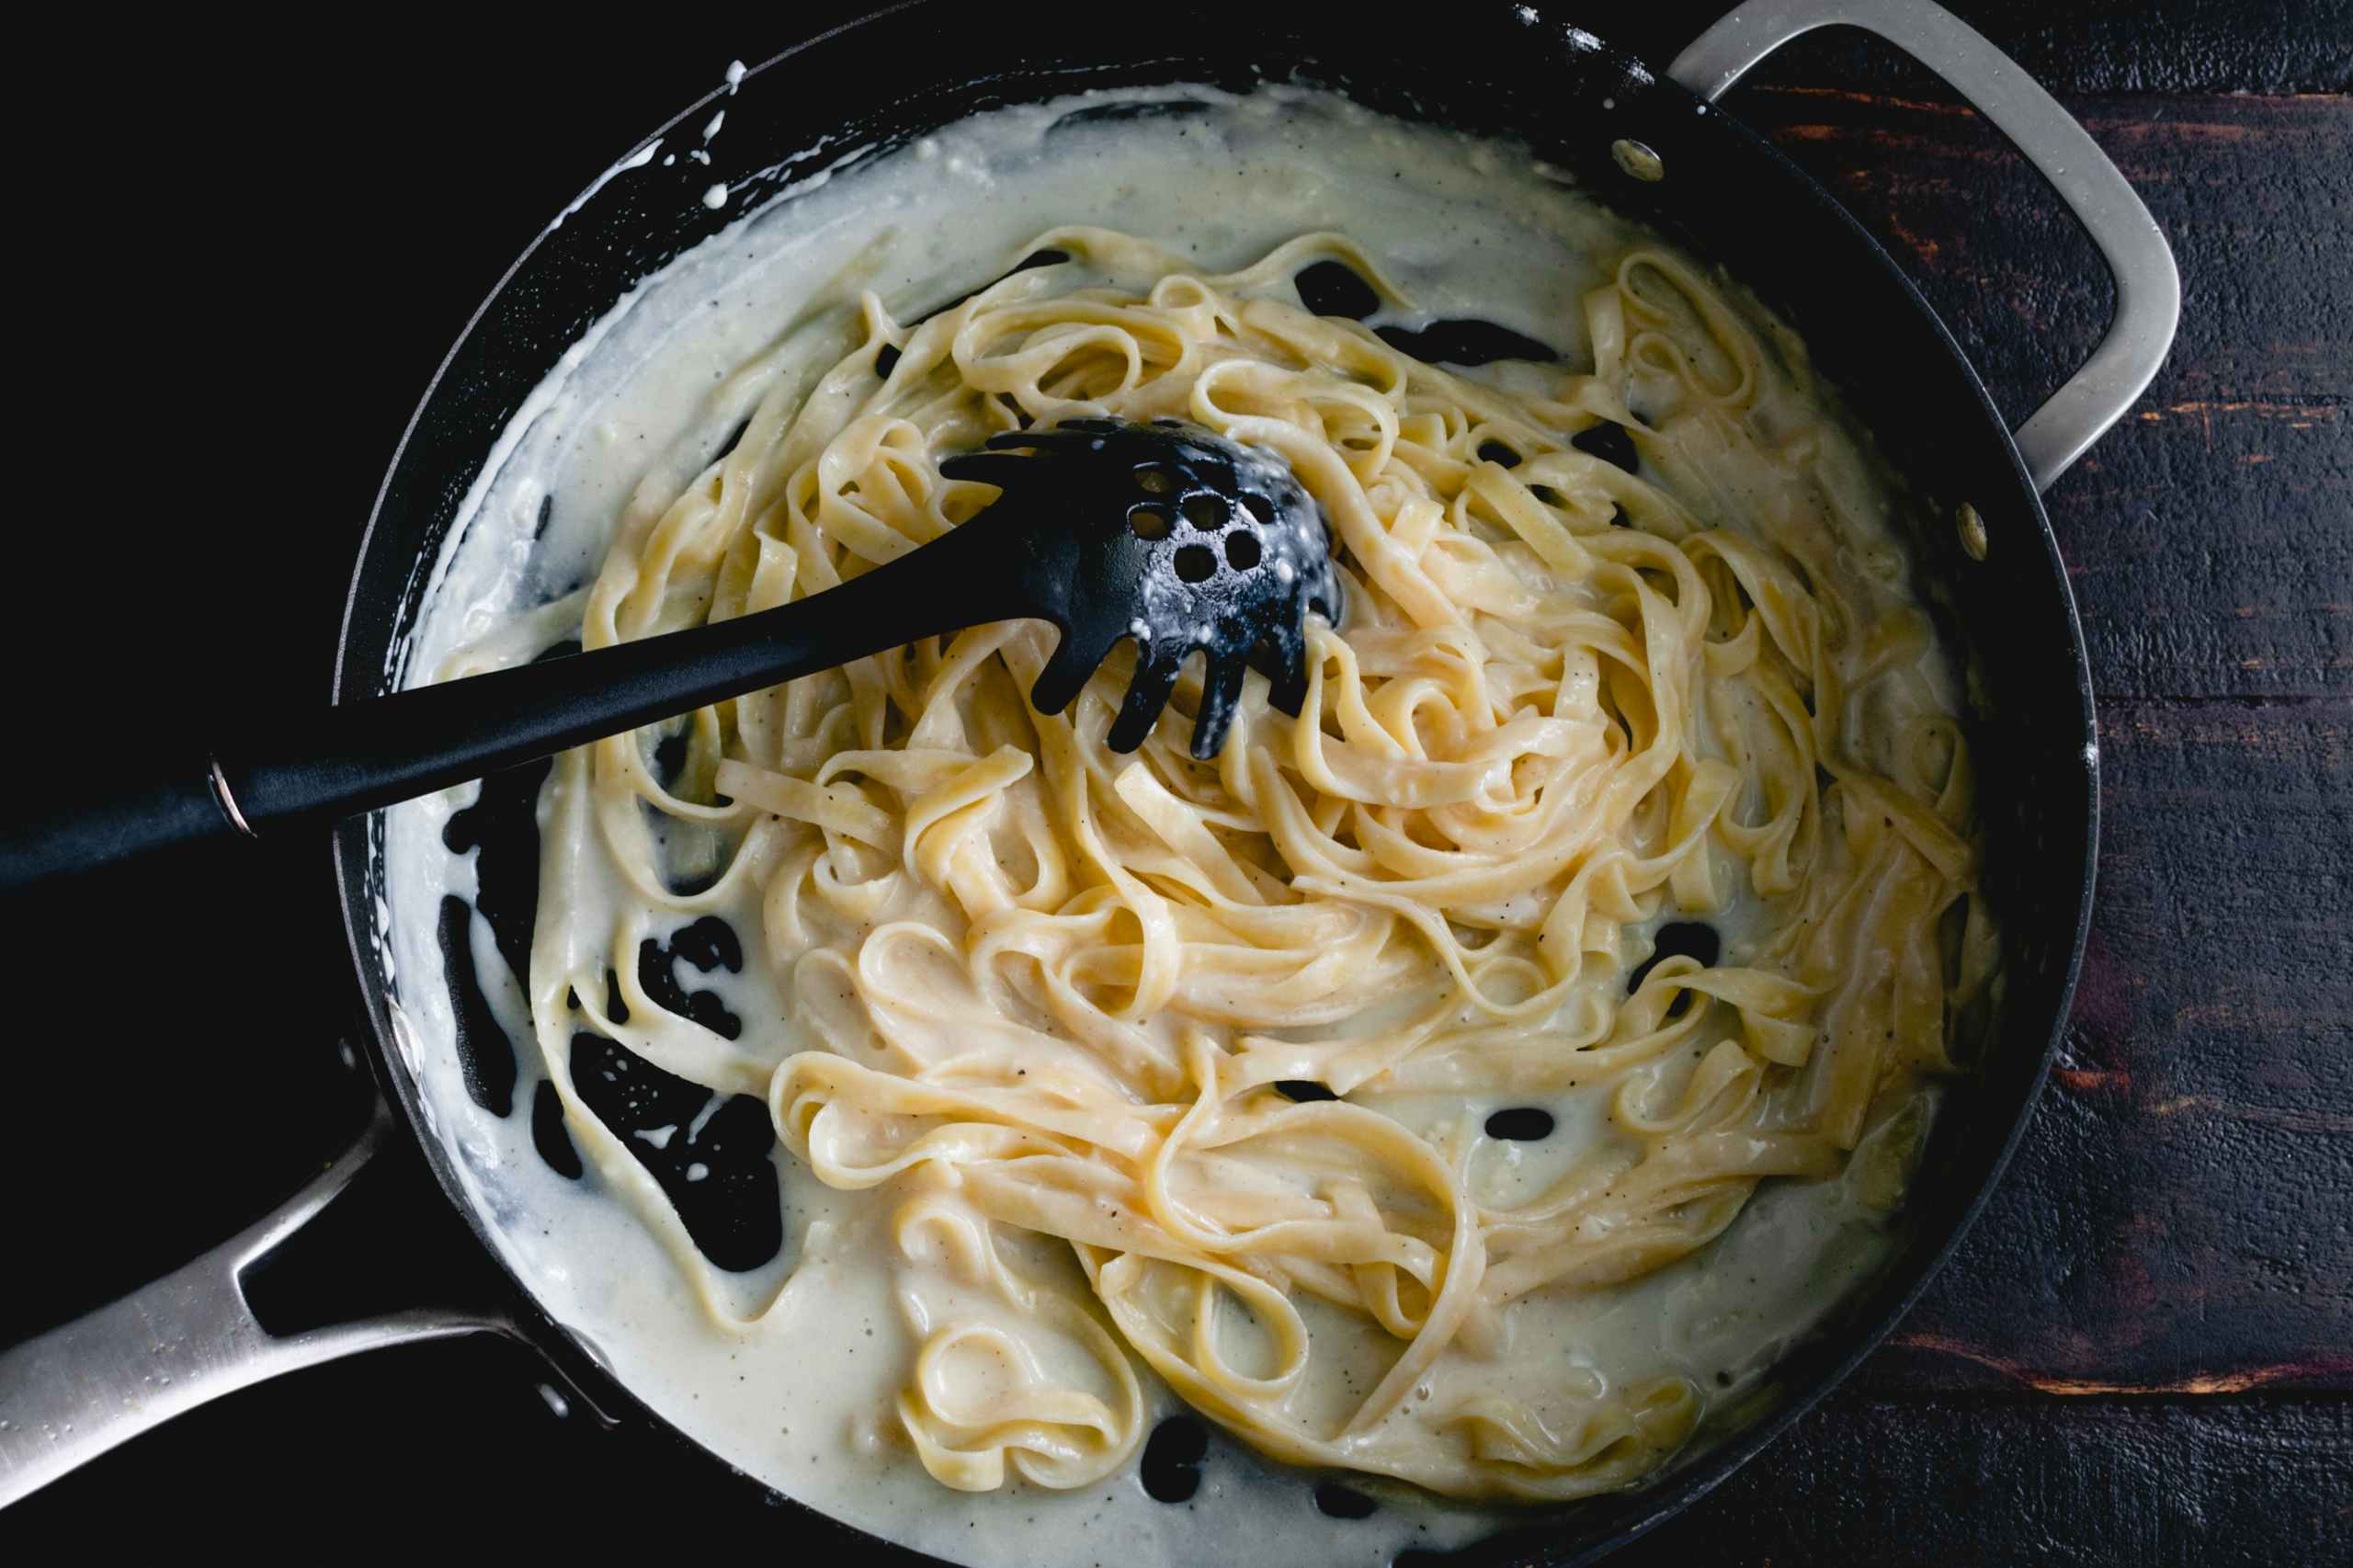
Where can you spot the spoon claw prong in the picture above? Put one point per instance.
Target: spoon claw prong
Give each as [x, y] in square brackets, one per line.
[1147, 696]
[1288, 692]
[1065, 675]
[1042, 439]
[1002, 469]
[1282, 659]
[1221, 691]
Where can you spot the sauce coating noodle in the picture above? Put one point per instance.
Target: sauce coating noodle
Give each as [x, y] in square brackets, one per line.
[1050, 990]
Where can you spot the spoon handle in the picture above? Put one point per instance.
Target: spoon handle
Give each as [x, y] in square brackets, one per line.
[311, 770]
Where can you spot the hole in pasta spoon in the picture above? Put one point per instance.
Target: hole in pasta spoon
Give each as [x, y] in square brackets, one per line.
[1168, 536]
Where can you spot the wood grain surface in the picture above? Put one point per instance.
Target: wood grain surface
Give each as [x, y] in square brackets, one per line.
[2143, 1355]
[2143, 1351]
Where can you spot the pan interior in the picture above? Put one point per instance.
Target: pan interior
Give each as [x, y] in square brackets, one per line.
[492, 1158]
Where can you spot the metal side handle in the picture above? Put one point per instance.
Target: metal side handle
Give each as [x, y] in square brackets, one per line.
[71, 1394]
[2148, 288]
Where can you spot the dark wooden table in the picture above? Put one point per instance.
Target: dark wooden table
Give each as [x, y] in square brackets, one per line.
[260, 245]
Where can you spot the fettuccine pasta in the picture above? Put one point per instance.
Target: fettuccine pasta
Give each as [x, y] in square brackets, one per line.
[1182, 1073]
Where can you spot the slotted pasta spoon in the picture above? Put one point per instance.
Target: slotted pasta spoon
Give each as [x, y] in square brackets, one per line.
[1161, 533]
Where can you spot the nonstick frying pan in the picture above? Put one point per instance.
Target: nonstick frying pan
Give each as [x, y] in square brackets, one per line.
[1650, 145]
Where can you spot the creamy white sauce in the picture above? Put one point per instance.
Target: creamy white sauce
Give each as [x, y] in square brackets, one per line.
[1468, 229]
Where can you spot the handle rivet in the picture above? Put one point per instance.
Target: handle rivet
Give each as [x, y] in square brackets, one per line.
[1638, 160]
[1972, 531]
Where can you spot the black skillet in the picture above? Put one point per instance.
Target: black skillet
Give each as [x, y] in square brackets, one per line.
[1648, 143]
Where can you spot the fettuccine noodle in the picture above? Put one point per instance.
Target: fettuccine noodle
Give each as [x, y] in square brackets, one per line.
[1047, 992]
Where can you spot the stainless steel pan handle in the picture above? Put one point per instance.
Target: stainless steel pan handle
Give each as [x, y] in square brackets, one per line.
[71, 1394]
[2148, 288]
